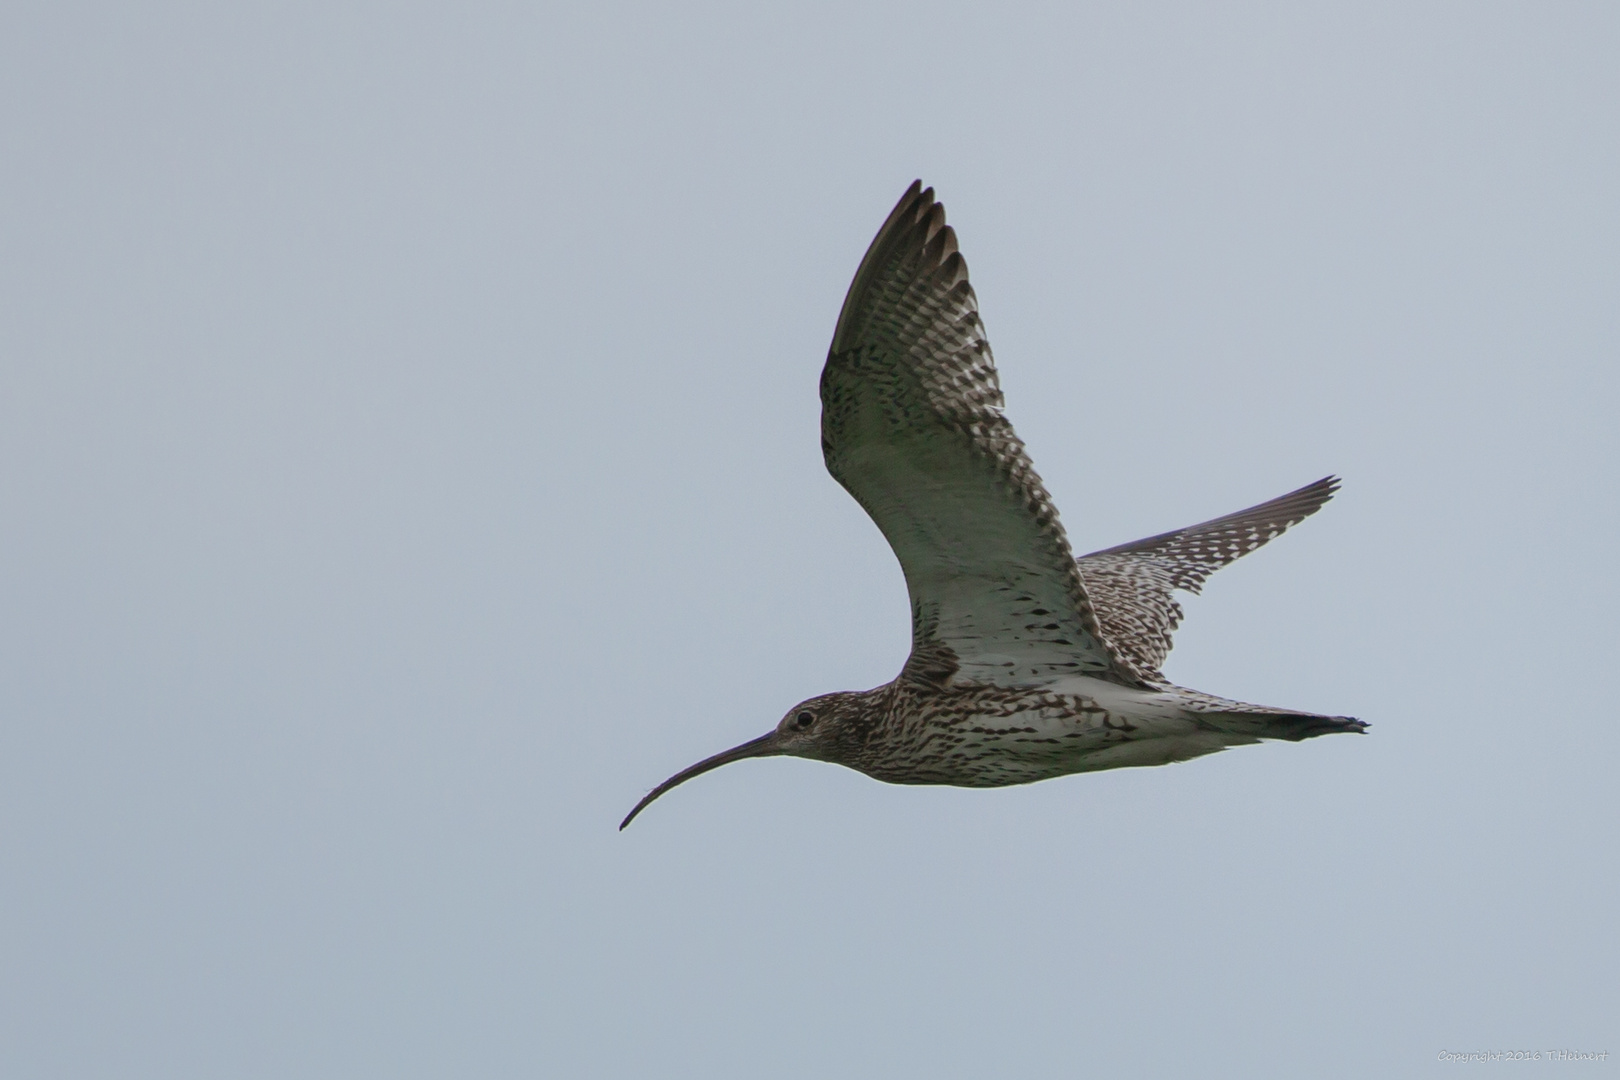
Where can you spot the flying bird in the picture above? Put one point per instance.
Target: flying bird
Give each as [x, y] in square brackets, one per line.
[1026, 663]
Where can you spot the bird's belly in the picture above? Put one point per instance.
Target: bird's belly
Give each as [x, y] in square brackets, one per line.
[1002, 740]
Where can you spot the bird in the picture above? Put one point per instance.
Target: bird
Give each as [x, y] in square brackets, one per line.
[1026, 663]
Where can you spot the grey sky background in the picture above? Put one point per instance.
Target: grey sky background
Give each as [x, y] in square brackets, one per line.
[408, 457]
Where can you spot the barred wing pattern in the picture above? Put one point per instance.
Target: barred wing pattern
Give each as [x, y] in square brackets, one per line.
[912, 427]
[1130, 584]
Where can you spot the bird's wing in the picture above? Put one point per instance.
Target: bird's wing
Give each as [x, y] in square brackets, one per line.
[911, 425]
[1130, 584]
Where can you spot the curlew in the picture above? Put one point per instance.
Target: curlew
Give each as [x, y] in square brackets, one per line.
[1026, 663]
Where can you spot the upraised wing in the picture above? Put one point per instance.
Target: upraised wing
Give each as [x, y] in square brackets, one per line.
[911, 426]
[1130, 584]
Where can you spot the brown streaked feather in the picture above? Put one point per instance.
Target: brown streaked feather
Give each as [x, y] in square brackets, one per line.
[912, 427]
[1130, 585]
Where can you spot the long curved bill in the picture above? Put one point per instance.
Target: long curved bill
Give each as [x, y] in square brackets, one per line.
[764, 746]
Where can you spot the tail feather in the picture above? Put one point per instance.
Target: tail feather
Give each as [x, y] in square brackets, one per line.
[1280, 724]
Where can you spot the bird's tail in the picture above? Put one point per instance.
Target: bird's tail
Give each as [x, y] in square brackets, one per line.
[1279, 724]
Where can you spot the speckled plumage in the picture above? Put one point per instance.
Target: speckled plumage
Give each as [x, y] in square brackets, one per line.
[1026, 663]
[1131, 584]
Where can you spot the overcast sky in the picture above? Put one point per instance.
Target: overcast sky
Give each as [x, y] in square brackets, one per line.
[408, 457]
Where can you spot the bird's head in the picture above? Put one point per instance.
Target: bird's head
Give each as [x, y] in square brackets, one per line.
[823, 728]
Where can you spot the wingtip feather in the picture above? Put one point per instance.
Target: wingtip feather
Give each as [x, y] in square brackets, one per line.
[915, 207]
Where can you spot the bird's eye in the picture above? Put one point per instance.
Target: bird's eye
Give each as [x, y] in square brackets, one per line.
[803, 720]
